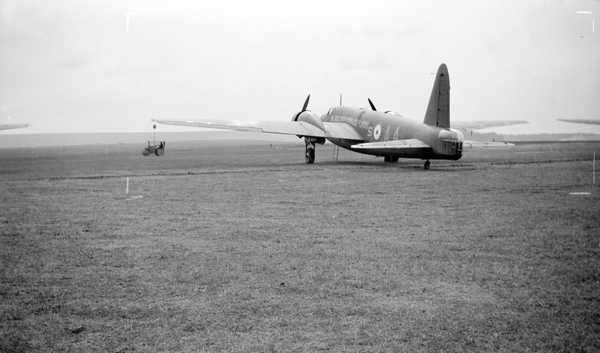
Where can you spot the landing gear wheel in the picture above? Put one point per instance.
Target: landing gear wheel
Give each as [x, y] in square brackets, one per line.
[427, 164]
[390, 159]
[309, 155]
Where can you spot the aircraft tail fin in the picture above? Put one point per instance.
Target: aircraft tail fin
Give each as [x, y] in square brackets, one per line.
[438, 110]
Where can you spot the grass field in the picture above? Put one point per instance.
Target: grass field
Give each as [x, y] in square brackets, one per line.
[247, 249]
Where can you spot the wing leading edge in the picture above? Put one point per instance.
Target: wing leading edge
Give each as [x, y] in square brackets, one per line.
[298, 128]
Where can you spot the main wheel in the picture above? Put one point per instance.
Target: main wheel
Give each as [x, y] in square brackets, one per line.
[427, 164]
[310, 156]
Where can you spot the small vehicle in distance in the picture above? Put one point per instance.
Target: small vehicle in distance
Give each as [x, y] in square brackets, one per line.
[154, 149]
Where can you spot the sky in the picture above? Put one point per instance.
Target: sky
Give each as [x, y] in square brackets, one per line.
[110, 66]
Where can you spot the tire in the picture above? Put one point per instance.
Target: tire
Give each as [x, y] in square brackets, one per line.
[310, 156]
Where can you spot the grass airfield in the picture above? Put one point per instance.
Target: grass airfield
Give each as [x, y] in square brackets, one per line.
[244, 248]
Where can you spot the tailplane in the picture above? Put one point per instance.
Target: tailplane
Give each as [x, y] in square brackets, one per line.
[438, 110]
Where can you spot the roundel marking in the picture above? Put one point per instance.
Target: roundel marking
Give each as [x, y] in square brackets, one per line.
[377, 132]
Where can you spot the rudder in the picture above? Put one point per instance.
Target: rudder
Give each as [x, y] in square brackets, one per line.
[438, 110]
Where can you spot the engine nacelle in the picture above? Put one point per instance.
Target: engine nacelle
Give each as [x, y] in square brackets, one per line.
[309, 117]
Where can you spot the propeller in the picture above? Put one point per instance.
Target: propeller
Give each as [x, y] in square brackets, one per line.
[375, 109]
[372, 105]
[304, 106]
[306, 103]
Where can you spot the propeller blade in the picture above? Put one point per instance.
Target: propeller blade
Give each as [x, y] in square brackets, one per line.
[305, 103]
[372, 105]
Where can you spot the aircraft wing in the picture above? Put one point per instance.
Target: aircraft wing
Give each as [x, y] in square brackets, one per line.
[478, 125]
[298, 128]
[581, 121]
[342, 131]
[12, 126]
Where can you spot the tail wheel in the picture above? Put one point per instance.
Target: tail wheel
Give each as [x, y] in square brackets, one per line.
[427, 165]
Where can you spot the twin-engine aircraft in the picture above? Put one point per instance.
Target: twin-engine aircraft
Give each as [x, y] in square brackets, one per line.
[369, 131]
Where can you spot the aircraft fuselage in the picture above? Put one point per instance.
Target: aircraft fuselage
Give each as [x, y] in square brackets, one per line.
[374, 126]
